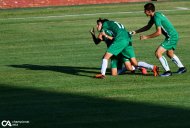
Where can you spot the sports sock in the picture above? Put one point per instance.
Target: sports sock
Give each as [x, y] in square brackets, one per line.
[104, 66]
[145, 65]
[176, 60]
[164, 63]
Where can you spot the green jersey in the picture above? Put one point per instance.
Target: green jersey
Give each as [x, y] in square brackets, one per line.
[122, 40]
[160, 20]
[108, 41]
[113, 26]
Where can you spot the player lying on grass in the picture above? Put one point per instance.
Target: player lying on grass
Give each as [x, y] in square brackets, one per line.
[122, 44]
[116, 61]
[165, 27]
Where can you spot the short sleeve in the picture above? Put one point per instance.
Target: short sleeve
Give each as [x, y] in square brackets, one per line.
[157, 21]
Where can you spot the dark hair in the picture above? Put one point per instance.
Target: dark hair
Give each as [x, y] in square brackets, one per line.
[102, 20]
[149, 6]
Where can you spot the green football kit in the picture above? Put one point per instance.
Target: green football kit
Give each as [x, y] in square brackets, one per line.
[122, 42]
[116, 61]
[168, 31]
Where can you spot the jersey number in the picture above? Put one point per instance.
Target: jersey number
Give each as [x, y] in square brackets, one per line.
[119, 25]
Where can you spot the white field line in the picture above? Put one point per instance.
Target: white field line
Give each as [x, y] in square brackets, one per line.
[92, 14]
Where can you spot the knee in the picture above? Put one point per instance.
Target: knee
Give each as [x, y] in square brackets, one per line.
[170, 54]
[129, 68]
[158, 54]
[107, 56]
[114, 74]
[134, 62]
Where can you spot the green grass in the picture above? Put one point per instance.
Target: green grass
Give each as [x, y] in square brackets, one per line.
[48, 60]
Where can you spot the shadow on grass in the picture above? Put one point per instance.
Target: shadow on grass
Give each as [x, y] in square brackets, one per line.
[45, 109]
[63, 69]
[72, 70]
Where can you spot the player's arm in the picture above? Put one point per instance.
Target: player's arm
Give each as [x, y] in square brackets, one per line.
[155, 34]
[107, 36]
[145, 28]
[95, 39]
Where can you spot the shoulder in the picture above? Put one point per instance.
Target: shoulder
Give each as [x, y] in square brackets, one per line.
[156, 14]
[159, 14]
[105, 23]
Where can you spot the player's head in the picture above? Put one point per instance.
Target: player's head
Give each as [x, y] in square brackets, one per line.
[100, 22]
[149, 8]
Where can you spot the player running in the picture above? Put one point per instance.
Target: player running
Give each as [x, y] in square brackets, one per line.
[165, 27]
[121, 44]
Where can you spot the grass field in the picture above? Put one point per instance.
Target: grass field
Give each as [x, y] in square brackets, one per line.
[48, 60]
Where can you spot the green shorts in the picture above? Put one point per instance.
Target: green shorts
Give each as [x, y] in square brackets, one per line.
[118, 61]
[122, 45]
[128, 53]
[170, 43]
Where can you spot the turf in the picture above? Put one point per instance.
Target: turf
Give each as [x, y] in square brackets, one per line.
[48, 60]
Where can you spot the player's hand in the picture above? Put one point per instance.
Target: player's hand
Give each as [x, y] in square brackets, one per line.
[103, 34]
[92, 31]
[142, 37]
[100, 36]
[132, 32]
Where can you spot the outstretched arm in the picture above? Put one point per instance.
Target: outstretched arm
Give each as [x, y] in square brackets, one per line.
[145, 28]
[155, 34]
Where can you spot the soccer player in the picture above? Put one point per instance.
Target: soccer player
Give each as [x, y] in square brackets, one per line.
[165, 27]
[121, 44]
[116, 61]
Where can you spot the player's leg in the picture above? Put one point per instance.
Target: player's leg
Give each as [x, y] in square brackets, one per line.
[114, 49]
[146, 65]
[160, 50]
[154, 68]
[128, 52]
[114, 71]
[129, 66]
[134, 61]
[104, 66]
[143, 66]
[120, 63]
[114, 63]
[176, 60]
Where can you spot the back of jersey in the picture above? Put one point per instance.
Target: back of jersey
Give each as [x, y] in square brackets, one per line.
[113, 26]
